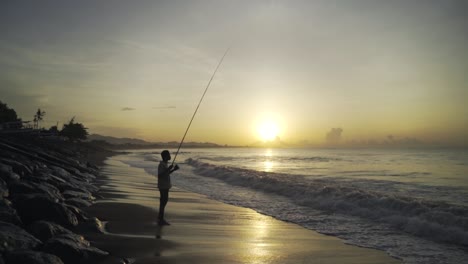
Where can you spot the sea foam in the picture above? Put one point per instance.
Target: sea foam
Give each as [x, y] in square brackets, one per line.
[431, 219]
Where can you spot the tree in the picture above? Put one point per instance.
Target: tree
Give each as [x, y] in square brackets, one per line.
[39, 116]
[7, 114]
[74, 131]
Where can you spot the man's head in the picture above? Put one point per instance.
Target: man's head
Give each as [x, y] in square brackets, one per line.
[165, 155]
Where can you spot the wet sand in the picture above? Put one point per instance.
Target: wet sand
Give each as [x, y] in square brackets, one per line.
[203, 230]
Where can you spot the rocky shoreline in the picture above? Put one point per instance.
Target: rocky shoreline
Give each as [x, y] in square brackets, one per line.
[44, 185]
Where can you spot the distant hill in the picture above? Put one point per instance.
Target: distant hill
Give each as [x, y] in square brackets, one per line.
[128, 143]
[118, 141]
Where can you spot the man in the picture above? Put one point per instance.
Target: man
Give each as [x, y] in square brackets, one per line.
[164, 184]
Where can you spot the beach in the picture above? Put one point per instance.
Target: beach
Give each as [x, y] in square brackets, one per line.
[202, 230]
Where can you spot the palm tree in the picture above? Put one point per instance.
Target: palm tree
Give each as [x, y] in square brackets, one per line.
[39, 116]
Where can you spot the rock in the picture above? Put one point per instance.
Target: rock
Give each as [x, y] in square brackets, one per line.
[83, 195]
[71, 186]
[72, 248]
[35, 207]
[92, 224]
[74, 184]
[85, 175]
[3, 188]
[45, 230]
[8, 213]
[26, 187]
[13, 238]
[7, 174]
[43, 175]
[18, 167]
[92, 166]
[80, 215]
[80, 203]
[83, 183]
[60, 172]
[92, 188]
[32, 257]
[64, 180]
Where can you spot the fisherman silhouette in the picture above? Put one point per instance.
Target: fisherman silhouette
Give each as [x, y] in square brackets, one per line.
[164, 171]
[164, 184]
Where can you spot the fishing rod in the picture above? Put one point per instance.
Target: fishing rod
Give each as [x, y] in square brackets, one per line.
[196, 110]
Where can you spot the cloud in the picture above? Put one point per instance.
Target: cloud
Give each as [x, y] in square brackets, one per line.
[127, 109]
[164, 107]
[46, 58]
[334, 135]
[390, 141]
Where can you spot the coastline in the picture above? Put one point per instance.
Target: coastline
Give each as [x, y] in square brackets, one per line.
[202, 230]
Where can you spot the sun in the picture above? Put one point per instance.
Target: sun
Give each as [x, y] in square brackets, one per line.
[268, 130]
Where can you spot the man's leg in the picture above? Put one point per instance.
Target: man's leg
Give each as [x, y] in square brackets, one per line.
[164, 197]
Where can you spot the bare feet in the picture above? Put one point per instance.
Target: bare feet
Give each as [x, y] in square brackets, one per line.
[163, 222]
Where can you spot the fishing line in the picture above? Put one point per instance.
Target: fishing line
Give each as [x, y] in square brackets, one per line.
[196, 110]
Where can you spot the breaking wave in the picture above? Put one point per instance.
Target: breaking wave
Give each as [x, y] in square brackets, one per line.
[435, 220]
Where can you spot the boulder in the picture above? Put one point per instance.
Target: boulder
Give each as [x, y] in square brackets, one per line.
[78, 185]
[92, 166]
[85, 195]
[32, 257]
[85, 175]
[45, 230]
[20, 168]
[90, 225]
[72, 248]
[35, 207]
[8, 213]
[13, 238]
[70, 185]
[80, 214]
[28, 187]
[7, 174]
[78, 202]
[60, 172]
[3, 189]
[43, 175]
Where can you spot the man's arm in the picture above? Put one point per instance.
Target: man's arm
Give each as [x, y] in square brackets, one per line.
[169, 169]
[173, 168]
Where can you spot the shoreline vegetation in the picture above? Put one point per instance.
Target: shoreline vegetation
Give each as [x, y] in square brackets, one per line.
[44, 186]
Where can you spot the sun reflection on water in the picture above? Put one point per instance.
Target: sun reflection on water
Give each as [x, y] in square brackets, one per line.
[268, 164]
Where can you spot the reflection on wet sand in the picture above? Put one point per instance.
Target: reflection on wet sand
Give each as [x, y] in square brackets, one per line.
[203, 230]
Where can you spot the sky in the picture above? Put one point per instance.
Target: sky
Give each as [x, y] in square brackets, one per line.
[302, 71]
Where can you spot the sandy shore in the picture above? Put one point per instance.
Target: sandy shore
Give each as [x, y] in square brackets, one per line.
[203, 230]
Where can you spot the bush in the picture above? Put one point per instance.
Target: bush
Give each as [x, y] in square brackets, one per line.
[7, 114]
[74, 131]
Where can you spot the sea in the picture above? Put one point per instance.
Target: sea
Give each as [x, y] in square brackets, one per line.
[410, 203]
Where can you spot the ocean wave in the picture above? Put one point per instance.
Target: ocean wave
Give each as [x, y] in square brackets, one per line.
[432, 219]
[273, 158]
[384, 173]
